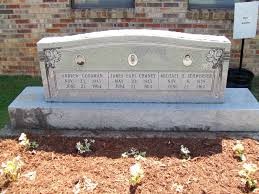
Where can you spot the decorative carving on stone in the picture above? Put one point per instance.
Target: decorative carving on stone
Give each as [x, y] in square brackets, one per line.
[52, 57]
[214, 57]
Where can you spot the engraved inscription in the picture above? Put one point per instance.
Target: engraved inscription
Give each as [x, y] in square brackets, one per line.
[89, 80]
[185, 81]
[135, 81]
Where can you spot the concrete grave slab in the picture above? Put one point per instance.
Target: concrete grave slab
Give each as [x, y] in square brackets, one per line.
[239, 112]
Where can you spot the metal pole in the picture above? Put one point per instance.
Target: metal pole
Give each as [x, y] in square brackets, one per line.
[241, 54]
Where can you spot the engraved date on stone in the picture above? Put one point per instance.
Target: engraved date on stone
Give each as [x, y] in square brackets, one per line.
[200, 81]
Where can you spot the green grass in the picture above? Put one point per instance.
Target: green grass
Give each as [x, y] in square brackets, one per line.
[10, 87]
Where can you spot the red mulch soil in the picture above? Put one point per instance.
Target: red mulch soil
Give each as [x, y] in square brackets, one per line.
[212, 169]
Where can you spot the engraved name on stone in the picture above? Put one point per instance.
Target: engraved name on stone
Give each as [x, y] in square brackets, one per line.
[80, 80]
[135, 81]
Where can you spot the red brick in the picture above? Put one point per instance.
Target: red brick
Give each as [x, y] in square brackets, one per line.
[3, 59]
[46, 1]
[6, 11]
[14, 16]
[52, 30]
[44, 5]
[64, 20]
[154, 4]
[140, 4]
[14, 6]
[152, 25]
[67, 20]
[122, 24]
[144, 20]
[129, 20]
[184, 25]
[200, 26]
[22, 21]
[27, 58]
[171, 5]
[24, 31]
[59, 25]
[31, 44]
[31, 26]
[92, 25]
[177, 30]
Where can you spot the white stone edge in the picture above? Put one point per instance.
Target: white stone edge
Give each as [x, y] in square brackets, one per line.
[135, 32]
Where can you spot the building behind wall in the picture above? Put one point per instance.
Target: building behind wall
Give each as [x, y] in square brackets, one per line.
[24, 22]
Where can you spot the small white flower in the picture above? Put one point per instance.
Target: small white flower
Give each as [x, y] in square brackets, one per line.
[250, 168]
[136, 173]
[80, 147]
[24, 141]
[242, 173]
[178, 188]
[86, 147]
[238, 148]
[23, 137]
[91, 140]
[185, 150]
[124, 155]
[76, 188]
[136, 170]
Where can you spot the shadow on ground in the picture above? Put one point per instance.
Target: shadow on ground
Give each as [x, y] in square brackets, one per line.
[114, 147]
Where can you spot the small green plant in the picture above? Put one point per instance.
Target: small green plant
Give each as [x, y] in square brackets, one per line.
[11, 169]
[84, 147]
[24, 141]
[137, 174]
[247, 174]
[138, 155]
[239, 151]
[185, 153]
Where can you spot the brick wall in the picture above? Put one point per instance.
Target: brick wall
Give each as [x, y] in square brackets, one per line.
[24, 22]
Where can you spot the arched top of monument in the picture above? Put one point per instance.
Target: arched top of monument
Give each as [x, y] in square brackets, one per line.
[137, 33]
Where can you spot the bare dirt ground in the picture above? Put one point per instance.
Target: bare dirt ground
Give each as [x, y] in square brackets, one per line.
[212, 168]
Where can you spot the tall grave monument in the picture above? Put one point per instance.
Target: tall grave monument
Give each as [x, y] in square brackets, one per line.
[135, 79]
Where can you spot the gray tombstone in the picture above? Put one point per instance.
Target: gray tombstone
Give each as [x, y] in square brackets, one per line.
[135, 66]
[132, 66]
